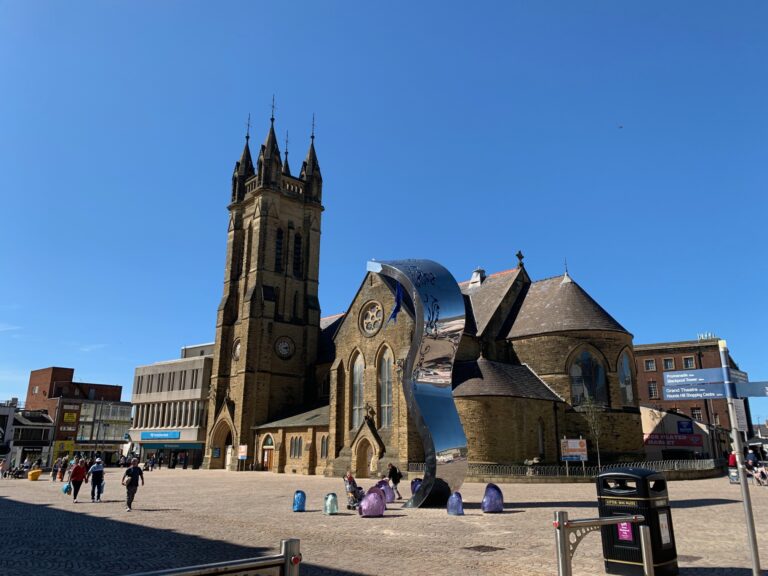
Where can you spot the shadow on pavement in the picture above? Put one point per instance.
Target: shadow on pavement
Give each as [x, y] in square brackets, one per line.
[716, 571]
[40, 540]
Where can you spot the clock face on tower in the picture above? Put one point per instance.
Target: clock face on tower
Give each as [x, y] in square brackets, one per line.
[284, 347]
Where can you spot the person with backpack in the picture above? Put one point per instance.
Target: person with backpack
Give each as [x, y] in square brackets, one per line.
[395, 476]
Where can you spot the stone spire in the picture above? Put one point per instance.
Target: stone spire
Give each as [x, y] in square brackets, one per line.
[310, 170]
[286, 167]
[243, 168]
[270, 164]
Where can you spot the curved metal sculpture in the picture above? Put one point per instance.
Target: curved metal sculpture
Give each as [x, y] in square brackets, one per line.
[439, 314]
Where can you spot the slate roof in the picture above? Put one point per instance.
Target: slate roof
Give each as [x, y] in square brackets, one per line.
[317, 417]
[559, 304]
[487, 378]
[326, 349]
[486, 297]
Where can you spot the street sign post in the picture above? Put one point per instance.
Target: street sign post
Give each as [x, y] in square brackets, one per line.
[730, 391]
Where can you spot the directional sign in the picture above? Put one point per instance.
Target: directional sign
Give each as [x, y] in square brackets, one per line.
[738, 376]
[690, 377]
[697, 392]
[746, 389]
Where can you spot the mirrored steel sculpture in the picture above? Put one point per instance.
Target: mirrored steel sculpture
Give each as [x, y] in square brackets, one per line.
[433, 295]
[493, 500]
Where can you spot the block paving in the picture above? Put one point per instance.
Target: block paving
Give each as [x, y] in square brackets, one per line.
[187, 517]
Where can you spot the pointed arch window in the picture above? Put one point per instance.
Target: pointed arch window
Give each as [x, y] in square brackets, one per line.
[358, 368]
[588, 380]
[324, 447]
[297, 252]
[279, 250]
[385, 389]
[625, 380]
[298, 448]
[293, 447]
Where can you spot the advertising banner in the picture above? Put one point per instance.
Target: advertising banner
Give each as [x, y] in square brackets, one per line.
[691, 440]
[242, 452]
[573, 450]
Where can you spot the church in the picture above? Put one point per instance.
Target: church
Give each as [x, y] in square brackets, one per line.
[295, 392]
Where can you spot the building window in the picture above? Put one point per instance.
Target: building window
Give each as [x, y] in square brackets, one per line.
[385, 389]
[689, 363]
[139, 382]
[293, 447]
[324, 447]
[669, 363]
[183, 380]
[653, 390]
[650, 365]
[298, 448]
[358, 369]
[696, 414]
[625, 380]
[588, 380]
[297, 256]
[150, 384]
[160, 382]
[171, 381]
[279, 250]
[35, 389]
[195, 375]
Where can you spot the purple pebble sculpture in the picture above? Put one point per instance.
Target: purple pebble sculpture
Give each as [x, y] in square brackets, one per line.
[493, 501]
[415, 483]
[389, 493]
[455, 505]
[372, 505]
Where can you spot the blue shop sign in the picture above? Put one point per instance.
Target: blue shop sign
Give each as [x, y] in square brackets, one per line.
[164, 435]
[685, 427]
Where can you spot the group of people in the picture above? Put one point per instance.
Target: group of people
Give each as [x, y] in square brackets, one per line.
[752, 466]
[393, 475]
[84, 472]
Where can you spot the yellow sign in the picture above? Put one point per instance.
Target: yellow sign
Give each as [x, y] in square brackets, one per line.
[70, 417]
[64, 447]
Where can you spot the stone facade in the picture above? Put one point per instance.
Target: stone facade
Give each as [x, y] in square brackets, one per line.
[268, 321]
[534, 356]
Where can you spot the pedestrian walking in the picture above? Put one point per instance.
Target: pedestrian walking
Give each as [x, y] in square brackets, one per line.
[395, 476]
[55, 469]
[131, 482]
[96, 476]
[77, 475]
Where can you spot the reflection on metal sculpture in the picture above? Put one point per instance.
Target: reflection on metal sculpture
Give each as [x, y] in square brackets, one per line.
[438, 306]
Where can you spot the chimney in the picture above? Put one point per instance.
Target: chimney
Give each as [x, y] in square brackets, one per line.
[477, 277]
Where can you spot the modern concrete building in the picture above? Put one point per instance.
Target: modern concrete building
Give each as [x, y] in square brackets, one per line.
[32, 435]
[7, 411]
[170, 402]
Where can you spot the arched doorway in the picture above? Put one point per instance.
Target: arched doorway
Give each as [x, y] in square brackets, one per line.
[267, 453]
[363, 457]
[221, 447]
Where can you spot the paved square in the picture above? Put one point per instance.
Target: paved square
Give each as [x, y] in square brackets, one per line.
[185, 517]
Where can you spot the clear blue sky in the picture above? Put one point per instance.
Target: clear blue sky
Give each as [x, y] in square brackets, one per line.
[629, 138]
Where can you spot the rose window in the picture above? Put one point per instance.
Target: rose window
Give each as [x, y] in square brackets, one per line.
[371, 318]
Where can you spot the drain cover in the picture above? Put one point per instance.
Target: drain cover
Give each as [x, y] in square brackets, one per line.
[483, 549]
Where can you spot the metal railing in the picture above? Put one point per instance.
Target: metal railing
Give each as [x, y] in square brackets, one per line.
[566, 545]
[285, 564]
[576, 470]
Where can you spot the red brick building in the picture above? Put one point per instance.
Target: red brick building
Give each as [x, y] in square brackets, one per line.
[652, 360]
[88, 417]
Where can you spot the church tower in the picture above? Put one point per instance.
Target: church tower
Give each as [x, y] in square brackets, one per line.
[267, 326]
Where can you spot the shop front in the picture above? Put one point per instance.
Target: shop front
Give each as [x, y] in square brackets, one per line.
[169, 449]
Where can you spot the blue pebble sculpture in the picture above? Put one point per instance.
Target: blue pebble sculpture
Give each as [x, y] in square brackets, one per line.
[493, 500]
[455, 505]
[415, 483]
[299, 501]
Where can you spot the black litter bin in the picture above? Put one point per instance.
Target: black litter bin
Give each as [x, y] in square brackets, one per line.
[636, 491]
